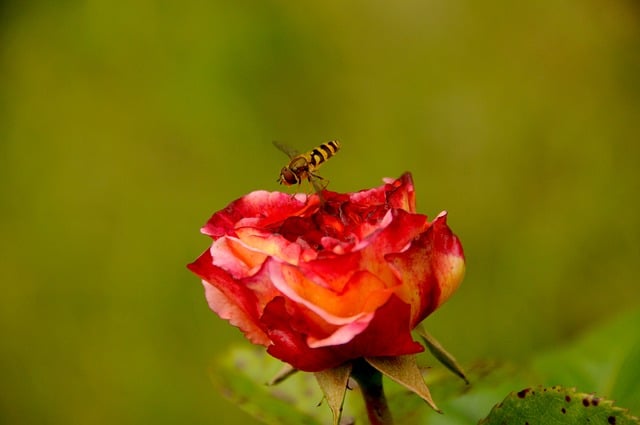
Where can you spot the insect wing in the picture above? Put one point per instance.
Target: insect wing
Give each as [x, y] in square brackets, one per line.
[286, 149]
[316, 183]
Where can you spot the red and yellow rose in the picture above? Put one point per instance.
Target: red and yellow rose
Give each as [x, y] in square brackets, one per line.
[321, 283]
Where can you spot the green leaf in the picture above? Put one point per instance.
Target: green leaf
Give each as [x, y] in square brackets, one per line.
[605, 361]
[242, 375]
[556, 405]
[626, 387]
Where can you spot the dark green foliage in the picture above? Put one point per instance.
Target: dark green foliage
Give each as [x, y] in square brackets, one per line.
[557, 405]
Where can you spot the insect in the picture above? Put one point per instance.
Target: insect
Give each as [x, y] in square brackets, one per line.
[304, 166]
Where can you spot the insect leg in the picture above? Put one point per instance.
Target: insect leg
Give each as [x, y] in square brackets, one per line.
[315, 181]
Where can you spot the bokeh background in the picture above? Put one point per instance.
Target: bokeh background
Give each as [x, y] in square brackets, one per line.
[124, 125]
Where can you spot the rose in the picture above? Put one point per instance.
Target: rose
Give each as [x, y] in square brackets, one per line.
[320, 282]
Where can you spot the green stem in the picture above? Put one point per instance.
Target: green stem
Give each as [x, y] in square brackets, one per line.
[370, 381]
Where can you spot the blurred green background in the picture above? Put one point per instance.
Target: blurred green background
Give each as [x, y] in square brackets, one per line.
[124, 125]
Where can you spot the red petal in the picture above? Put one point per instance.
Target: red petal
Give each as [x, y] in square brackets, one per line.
[235, 257]
[274, 245]
[363, 293]
[431, 269]
[449, 264]
[291, 346]
[332, 272]
[402, 194]
[402, 229]
[231, 300]
[261, 206]
[388, 334]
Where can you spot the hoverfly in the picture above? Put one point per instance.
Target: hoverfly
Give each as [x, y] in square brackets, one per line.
[304, 166]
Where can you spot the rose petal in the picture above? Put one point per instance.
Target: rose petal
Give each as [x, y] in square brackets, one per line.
[230, 300]
[363, 293]
[227, 308]
[235, 257]
[449, 265]
[273, 245]
[388, 334]
[333, 271]
[369, 197]
[368, 231]
[402, 193]
[265, 207]
[401, 229]
[431, 269]
[343, 334]
[291, 346]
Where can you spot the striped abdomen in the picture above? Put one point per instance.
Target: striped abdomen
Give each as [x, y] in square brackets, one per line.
[322, 153]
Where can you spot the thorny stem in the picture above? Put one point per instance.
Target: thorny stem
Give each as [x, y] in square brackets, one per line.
[370, 382]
